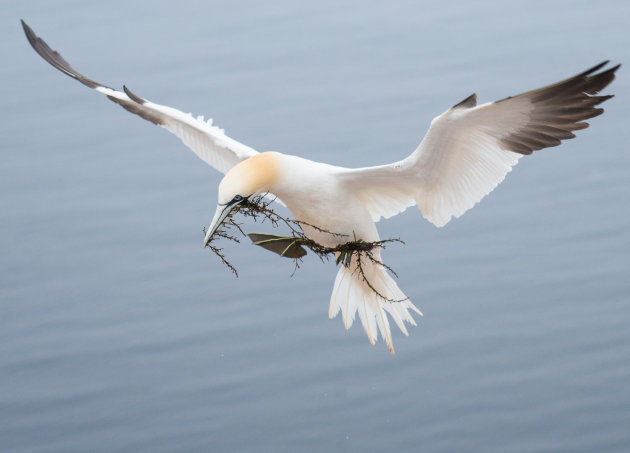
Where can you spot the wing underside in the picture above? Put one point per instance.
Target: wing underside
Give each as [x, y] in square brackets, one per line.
[469, 149]
[207, 141]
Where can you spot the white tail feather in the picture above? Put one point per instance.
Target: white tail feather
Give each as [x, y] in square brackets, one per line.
[373, 300]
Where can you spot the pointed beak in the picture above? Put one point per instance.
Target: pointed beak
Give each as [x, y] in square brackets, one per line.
[221, 216]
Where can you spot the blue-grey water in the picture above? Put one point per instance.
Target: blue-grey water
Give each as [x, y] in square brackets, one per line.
[118, 332]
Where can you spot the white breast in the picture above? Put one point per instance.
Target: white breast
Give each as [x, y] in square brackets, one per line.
[313, 194]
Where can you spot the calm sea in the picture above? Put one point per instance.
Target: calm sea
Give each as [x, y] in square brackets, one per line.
[118, 332]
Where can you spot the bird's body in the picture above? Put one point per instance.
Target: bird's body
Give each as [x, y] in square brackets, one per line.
[330, 215]
[467, 151]
[311, 191]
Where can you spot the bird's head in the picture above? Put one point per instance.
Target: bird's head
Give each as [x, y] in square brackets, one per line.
[244, 181]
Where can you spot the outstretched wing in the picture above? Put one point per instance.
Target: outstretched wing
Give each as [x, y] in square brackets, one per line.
[208, 142]
[469, 149]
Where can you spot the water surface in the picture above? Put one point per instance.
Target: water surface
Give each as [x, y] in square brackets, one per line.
[119, 333]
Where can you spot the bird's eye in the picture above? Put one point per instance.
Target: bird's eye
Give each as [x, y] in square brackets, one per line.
[237, 198]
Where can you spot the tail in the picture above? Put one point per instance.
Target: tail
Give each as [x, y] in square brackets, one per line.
[371, 291]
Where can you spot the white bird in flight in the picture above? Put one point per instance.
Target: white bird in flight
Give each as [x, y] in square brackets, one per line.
[467, 151]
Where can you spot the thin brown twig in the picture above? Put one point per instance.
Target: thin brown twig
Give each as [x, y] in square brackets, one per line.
[219, 251]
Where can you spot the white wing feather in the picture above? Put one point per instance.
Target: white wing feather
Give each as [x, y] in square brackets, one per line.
[208, 142]
[466, 153]
[460, 161]
[469, 149]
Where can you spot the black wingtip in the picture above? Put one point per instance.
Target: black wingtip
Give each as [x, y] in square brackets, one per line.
[594, 68]
[55, 59]
[469, 102]
[601, 80]
[612, 70]
[30, 34]
[132, 96]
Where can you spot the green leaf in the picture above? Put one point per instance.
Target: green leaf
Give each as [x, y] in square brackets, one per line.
[287, 246]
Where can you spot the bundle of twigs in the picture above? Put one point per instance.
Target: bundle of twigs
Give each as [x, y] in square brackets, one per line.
[293, 246]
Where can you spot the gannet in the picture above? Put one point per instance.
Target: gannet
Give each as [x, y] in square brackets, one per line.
[467, 151]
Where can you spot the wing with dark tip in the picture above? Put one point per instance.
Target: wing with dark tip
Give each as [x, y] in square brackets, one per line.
[469, 149]
[556, 110]
[208, 142]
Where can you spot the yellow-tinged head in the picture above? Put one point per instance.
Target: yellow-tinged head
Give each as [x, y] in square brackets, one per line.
[248, 178]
